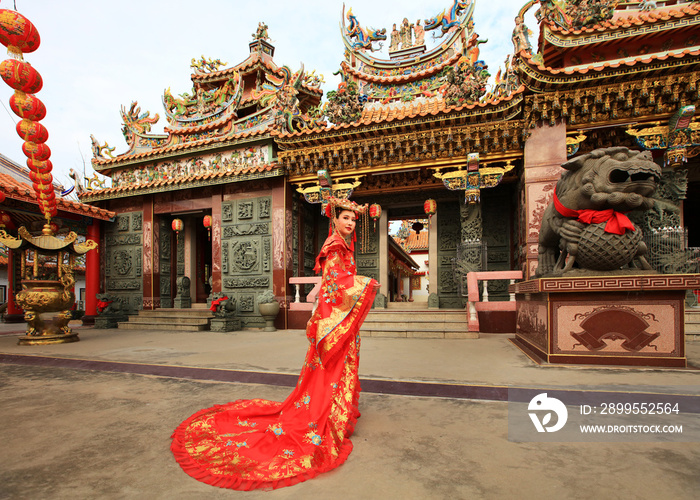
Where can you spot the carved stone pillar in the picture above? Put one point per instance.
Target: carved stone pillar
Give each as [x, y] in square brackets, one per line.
[384, 254]
[433, 262]
[545, 151]
[151, 257]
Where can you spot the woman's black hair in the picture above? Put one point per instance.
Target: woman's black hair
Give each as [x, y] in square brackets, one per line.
[339, 210]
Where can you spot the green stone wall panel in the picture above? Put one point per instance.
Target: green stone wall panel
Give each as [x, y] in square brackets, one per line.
[246, 254]
[123, 259]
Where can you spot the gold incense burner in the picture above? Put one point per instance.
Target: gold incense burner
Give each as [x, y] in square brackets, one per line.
[47, 294]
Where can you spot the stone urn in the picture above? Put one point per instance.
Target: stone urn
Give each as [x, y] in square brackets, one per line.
[269, 309]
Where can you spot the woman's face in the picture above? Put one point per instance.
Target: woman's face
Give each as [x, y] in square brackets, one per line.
[345, 223]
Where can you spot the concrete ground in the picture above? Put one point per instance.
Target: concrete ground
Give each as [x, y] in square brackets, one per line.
[93, 419]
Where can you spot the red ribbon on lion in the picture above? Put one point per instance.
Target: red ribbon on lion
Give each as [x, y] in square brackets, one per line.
[617, 222]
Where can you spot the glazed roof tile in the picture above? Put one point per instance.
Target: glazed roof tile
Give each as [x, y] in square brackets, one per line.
[624, 19]
[414, 241]
[251, 61]
[401, 78]
[15, 189]
[376, 112]
[180, 147]
[617, 63]
[132, 188]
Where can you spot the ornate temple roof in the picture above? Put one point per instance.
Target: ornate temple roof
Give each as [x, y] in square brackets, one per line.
[16, 190]
[239, 105]
[624, 45]
[651, 20]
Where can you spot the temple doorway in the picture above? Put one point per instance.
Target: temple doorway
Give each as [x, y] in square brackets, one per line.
[408, 257]
[203, 261]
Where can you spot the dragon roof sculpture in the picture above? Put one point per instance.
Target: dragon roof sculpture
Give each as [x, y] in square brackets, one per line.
[253, 98]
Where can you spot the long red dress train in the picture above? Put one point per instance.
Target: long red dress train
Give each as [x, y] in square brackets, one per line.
[248, 444]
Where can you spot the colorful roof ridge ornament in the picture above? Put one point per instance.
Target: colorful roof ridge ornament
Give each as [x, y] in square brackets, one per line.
[475, 178]
[680, 138]
[325, 189]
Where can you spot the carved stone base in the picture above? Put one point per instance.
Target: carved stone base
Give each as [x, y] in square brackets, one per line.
[109, 321]
[48, 339]
[182, 303]
[380, 301]
[604, 320]
[433, 301]
[225, 324]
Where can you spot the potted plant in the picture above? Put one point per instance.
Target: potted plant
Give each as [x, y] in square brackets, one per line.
[269, 308]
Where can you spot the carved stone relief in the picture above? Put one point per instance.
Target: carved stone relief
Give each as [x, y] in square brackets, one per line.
[245, 210]
[226, 212]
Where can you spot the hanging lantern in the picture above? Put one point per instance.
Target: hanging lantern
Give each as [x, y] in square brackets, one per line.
[6, 220]
[375, 213]
[32, 131]
[41, 178]
[27, 106]
[417, 227]
[207, 224]
[39, 166]
[21, 76]
[17, 33]
[430, 208]
[2, 197]
[40, 152]
[177, 226]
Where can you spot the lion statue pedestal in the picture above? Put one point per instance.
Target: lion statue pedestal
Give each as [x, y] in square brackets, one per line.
[595, 299]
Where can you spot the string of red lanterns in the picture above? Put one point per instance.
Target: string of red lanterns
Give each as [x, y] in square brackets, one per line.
[20, 36]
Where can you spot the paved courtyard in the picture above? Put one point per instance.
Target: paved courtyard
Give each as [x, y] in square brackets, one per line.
[93, 419]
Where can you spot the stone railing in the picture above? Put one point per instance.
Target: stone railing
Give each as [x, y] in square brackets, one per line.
[475, 305]
[298, 305]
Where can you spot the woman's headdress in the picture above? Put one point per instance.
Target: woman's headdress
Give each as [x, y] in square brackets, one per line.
[362, 212]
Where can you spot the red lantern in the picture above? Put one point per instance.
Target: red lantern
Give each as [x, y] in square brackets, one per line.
[21, 75]
[32, 131]
[430, 207]
[41, 187]
[6, 220]
[207, 224]
[375, 213]
[38, 166]
[2, 197]
[17, 33]
[27, 106]
[34, 151]
[177, 226]
[44, 178]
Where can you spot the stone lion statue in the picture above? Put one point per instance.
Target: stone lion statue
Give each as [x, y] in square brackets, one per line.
[586, 222]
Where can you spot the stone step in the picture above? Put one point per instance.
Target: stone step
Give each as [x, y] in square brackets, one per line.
[427, 316]
[170, 319]
[166, 321]
[179, 327]
[175, 313]
[414, 323]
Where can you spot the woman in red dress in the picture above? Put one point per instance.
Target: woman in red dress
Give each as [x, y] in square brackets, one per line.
[256, 443]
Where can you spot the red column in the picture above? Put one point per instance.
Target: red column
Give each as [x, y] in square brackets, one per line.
[92, 274]
[14, 313]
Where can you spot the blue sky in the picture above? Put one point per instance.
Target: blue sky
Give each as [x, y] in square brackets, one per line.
[96, 56]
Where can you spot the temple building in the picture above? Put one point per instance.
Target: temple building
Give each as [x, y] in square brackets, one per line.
[230, 194]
